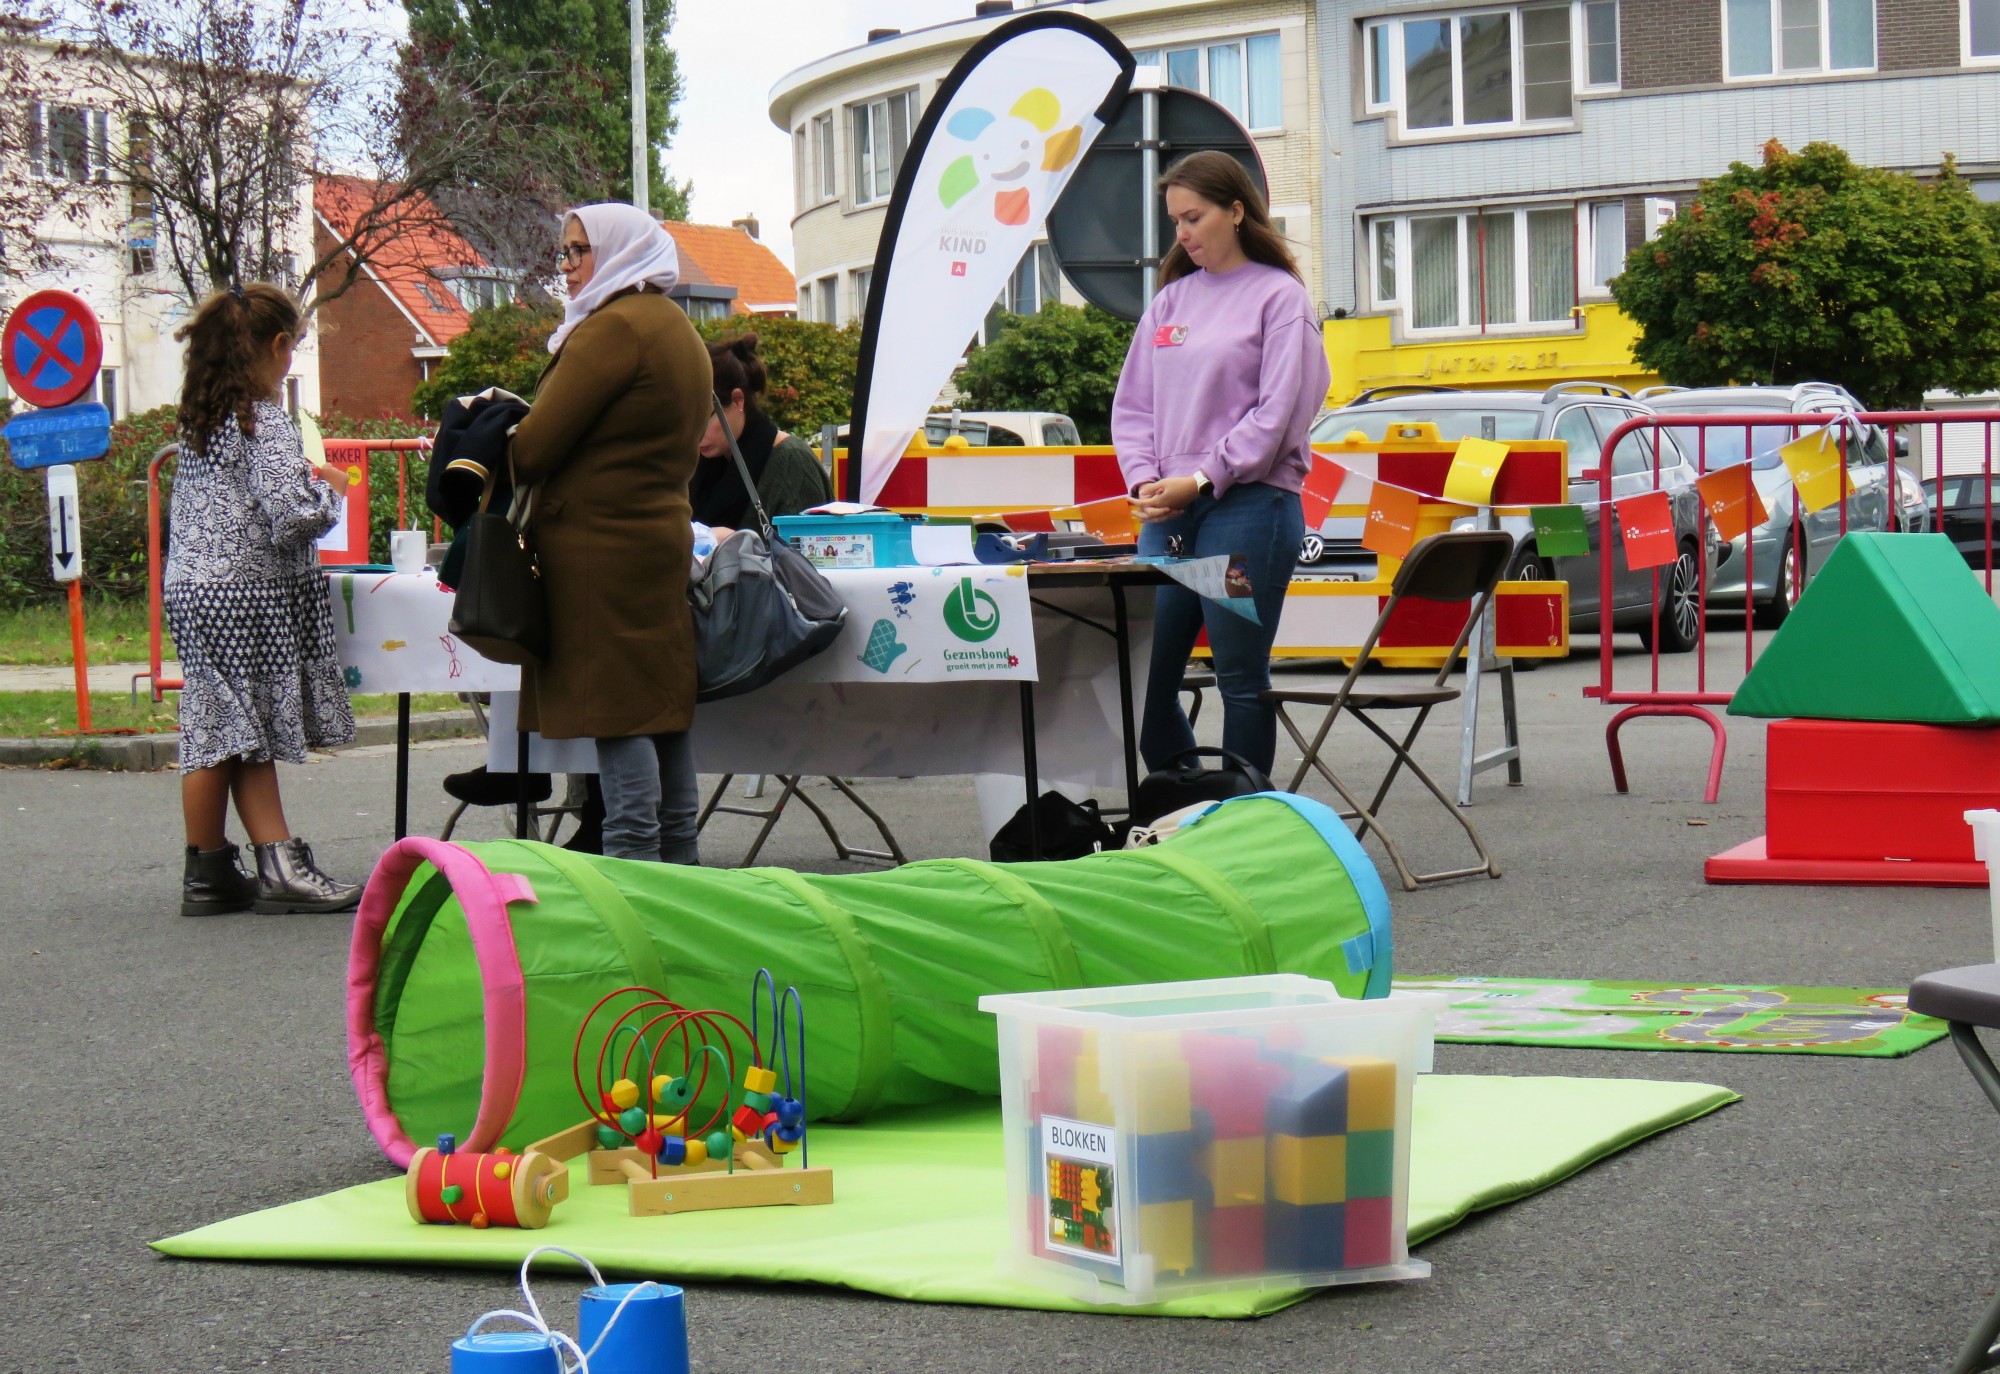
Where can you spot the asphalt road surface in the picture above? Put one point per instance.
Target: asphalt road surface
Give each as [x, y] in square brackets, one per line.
[166, 1073]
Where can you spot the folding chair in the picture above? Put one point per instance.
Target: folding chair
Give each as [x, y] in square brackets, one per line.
[1459, 568]
[788, 789]
[1967, 998]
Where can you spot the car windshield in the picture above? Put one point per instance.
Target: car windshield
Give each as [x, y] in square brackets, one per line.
[1455, 423]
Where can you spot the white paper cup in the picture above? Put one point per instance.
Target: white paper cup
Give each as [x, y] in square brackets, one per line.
[408, 549]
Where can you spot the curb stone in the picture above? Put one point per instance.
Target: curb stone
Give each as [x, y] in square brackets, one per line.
[144, 753]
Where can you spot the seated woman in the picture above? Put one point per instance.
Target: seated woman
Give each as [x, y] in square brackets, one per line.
[786, 470]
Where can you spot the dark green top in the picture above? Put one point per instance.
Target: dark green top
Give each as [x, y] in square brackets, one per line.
[793, 479]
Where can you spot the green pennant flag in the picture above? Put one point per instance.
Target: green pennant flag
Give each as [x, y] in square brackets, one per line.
[1559, 531]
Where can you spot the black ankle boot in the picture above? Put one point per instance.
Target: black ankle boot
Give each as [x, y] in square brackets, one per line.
[213, 883]
[289, 881]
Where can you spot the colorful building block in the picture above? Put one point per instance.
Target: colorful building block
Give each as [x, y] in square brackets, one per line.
[1164, 1092]
[1057, 1049]
[1310, 1101]
[1371, 1164]
[1234, 1168]
[1369, 1232]
[1168, 1167]
[1166, 1232]
[1307, 1171]
[1305, 1240]
[1091, 1102]
[1371, 1092]
[1235, 1241]
[1230, 1079]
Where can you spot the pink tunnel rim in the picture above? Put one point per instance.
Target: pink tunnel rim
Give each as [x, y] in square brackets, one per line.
[483, 895]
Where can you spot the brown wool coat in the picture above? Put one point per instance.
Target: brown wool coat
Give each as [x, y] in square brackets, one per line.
[614, 435]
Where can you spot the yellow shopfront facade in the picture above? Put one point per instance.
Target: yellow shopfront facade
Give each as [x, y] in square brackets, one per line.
[1364, 353]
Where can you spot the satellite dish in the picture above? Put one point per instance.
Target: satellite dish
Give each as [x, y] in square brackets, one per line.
[1097, 228]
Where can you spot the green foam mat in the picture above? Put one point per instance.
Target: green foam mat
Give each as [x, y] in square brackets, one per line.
[920, 1209]
[1735, 1018]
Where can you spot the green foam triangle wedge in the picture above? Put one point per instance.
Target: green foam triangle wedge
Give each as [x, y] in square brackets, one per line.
[1895, 627]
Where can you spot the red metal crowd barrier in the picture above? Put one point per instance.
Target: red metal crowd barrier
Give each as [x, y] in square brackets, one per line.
[1897, 426]
[342, 449]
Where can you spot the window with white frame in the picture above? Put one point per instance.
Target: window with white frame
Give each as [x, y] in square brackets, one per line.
[801, 170]
[68, 143]
[483, 290]
[1797, 37]
[1036, 282]
[1980, 34]
[805, 302]
[1489, 68]
[859, 283]
[829, 300]
[1477, 269]
[1243, 75]
[880, 130]
[1607, 243]
[824, 184]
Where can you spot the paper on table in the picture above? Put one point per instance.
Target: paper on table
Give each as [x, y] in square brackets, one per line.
[937, 546]
[1221, 578]
[843, 508]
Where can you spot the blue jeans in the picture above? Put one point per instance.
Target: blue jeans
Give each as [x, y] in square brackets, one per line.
[651, 798]
[1264, 524]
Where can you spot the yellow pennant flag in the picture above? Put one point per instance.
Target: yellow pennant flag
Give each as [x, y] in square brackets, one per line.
[1814, 460]
[1473, 468]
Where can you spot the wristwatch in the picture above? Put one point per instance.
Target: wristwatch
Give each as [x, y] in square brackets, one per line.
[1202, 484]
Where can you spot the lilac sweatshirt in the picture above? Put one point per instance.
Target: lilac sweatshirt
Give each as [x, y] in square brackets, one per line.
[1224, 376]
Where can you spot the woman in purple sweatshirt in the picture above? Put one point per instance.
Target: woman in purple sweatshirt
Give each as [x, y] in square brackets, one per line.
[1225, 374]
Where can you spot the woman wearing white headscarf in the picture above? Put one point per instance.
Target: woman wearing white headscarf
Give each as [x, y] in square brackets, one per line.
[613, 437]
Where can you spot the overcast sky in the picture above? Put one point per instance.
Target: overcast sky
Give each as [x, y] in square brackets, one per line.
[730, 57]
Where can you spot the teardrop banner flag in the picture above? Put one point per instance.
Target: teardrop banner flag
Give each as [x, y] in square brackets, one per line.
[1004, 132]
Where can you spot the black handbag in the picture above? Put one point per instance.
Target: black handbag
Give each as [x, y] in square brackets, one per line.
[1183, 782]
[760, 607]
[500, 609]
[1070, 830]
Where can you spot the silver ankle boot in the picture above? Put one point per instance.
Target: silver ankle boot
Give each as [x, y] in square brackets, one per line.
[213, 883]
[289, 881]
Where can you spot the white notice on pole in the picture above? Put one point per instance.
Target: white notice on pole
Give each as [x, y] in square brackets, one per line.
[65, 529]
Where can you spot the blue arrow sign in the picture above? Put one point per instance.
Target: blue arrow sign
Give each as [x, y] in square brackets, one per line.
[63, 434]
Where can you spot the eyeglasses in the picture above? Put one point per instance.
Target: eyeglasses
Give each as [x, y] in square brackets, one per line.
[571, 252]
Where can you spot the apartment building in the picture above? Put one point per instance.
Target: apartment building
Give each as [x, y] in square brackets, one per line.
[1489, 166]
[99, 236]
[850, 115]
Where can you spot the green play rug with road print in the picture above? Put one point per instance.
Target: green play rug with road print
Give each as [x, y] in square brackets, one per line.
[1749, 1018]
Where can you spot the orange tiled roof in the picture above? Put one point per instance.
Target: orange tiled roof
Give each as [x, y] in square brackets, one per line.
[405, 265]
[728, 256]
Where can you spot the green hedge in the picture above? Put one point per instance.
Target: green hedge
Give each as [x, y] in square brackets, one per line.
[112, 493]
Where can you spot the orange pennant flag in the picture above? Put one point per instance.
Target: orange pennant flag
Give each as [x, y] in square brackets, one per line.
[1110, 518]
[1322, 485]
[1733, 501]
[1392, 520]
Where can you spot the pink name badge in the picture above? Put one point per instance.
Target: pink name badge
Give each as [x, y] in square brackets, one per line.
[1170, 336]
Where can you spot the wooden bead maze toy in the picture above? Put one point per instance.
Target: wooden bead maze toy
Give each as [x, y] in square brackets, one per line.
[655, 1066]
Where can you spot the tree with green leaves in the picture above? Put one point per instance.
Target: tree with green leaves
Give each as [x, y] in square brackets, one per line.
[1812, 268]
[811, 367]
[503, 345]
[1064, 358]
[588, 42]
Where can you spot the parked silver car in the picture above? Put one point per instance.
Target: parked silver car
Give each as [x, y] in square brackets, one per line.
[1767, 553]
[1583, 414]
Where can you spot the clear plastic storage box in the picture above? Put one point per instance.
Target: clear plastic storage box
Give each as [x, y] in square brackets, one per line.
[1169, 1139]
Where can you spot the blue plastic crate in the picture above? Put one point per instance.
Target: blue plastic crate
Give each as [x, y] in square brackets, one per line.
[849, 541]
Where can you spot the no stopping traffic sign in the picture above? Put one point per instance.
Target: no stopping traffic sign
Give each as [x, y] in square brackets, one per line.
[51, 348]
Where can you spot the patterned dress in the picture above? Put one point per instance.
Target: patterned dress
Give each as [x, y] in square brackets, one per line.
[247, 601]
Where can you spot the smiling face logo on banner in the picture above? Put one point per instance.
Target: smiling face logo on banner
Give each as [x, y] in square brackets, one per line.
[1005, 150]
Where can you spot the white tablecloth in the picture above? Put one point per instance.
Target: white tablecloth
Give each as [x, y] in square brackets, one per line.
[834, 714]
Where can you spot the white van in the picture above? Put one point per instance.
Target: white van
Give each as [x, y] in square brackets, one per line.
[1003, 429]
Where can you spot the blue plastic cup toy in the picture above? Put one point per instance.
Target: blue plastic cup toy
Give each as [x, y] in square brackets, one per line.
[508, 1352]
[649, 1337]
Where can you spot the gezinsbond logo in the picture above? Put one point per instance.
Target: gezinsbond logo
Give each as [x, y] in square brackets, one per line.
[971, 614]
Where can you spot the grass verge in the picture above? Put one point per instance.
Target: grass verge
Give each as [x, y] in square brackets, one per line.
[39, 715]
[113, 632]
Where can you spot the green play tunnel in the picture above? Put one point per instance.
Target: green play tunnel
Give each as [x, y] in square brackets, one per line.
[474, 965]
